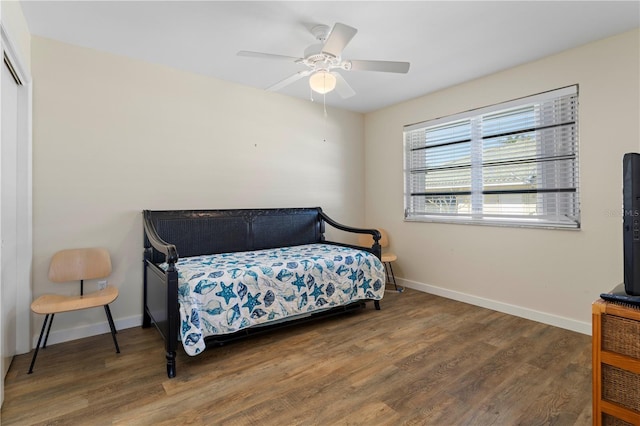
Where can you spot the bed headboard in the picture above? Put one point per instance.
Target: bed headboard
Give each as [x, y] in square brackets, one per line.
[198, 232]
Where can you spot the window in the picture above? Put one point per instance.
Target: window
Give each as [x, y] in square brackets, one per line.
[514, 163]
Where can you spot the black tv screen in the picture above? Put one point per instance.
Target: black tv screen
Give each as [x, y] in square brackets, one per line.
[631, 222]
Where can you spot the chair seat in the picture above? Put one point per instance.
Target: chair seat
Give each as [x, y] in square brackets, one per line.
[55, 303]
[389, 257]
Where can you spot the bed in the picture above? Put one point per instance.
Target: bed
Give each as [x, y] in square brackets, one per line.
[213, 276]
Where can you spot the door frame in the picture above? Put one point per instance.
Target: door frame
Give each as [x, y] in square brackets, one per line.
[25, 192]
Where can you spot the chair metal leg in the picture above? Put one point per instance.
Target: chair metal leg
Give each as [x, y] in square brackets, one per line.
[112, 326]
[35, 354]
[46, 338]
[393, 277]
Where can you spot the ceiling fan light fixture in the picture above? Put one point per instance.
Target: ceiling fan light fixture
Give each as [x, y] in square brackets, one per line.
[322, 82]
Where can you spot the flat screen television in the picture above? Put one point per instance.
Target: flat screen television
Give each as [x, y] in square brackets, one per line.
[631, 222]
[629, 290]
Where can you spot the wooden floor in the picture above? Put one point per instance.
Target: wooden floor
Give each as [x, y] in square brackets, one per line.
[421, 360]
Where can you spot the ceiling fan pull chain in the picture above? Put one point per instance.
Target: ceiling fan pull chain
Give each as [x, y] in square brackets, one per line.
[324, 105]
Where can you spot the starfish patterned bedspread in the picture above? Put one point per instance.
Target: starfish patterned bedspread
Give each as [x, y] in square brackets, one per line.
[224, 293]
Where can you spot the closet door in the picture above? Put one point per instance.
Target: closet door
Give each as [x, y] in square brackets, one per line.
[8, 216]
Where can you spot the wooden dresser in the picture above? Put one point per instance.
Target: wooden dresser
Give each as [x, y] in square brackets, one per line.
[616, 364]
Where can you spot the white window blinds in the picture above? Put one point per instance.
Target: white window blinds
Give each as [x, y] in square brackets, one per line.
[515, 163]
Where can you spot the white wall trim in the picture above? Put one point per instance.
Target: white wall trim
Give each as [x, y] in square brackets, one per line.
[14, 56]
[519, 311]
[80, 332]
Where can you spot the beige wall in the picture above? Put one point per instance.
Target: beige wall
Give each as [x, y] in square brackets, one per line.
[114, 136]
[547, 275]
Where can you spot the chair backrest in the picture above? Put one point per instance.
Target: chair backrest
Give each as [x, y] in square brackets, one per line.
[79, 264]
[366, 240]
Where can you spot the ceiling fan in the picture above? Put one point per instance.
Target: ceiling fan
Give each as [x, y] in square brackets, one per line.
[325, 58]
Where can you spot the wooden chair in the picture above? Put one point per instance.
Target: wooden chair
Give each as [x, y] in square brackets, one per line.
[387, 258]
[73, 265]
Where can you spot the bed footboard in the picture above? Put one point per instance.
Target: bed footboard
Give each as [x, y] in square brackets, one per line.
[161, 308]
[160, 296]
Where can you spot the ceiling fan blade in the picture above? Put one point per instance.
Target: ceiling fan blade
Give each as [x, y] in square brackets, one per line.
[382, 66]
[287, 81]
[339, 37]
[342, 87]
[261, 55]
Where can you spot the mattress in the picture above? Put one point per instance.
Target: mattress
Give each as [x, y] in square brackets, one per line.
[225, 293]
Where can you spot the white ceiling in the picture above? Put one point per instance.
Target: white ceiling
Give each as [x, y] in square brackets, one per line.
[446, 42]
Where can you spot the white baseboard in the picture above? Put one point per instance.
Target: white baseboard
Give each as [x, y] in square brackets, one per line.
[59, 336]
[68, 334]
[519, 311]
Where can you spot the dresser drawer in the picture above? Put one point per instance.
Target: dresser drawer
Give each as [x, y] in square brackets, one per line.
[621, 335]
[608, 420]
[621, 386]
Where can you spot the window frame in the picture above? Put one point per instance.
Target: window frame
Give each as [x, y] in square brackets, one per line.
[477, 195]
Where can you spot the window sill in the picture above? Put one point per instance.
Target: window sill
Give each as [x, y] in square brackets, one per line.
[500, 222]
